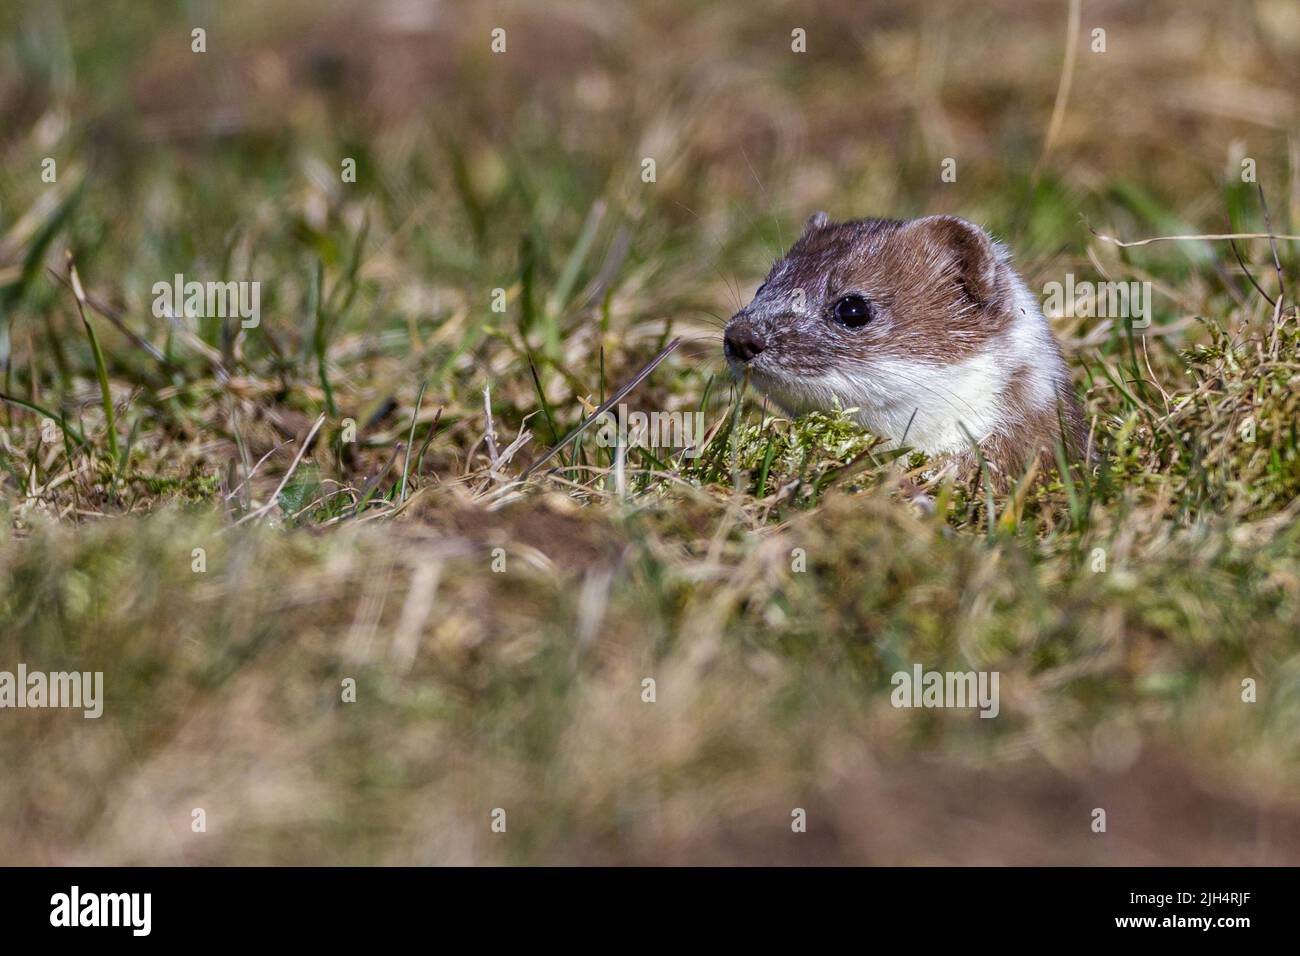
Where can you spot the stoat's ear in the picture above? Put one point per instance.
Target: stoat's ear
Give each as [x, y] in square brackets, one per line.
[968, 247]
[816, 221]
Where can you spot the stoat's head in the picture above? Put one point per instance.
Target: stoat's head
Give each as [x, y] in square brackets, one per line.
[919, 324]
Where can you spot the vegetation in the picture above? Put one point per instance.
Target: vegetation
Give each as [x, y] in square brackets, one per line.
[233, 522]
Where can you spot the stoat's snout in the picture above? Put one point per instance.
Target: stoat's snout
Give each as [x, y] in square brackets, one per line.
[923, 327]
[742, 342]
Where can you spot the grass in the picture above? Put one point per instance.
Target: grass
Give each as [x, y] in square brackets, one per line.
[496, 272]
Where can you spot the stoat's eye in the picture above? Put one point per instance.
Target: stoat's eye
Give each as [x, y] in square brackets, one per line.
[853, 311]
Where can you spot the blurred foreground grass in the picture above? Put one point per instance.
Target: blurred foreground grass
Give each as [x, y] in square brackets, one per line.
[1123, 606]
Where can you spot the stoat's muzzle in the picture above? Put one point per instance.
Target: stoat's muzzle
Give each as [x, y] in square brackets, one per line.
[743, 341]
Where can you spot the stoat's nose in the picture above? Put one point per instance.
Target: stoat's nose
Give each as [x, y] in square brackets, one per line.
[742, 342]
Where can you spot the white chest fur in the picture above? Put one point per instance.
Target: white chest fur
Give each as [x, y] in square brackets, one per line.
[939, 407]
